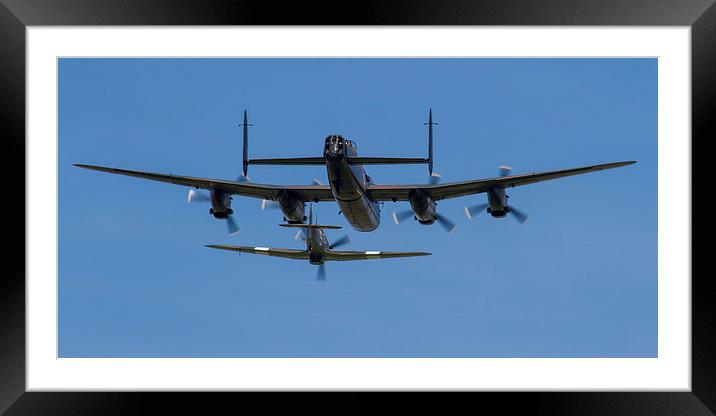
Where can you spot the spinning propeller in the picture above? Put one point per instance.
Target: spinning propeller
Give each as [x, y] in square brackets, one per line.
[444, 222]
[403, 215]
[448, 225]
[340, 242]
[300, 234]
[434, 178]
[196, 195]
[520, 216]
[472, 210]
[321, 275]
[231, 225]
[267, 203]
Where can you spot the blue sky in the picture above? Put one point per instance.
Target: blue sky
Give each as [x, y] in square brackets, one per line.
[579, 279]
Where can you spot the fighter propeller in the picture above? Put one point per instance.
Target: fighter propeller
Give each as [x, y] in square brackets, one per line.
[340, 242]
[321, 274]
[434, 178]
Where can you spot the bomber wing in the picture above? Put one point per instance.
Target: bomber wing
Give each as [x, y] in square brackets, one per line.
[308, 193]
[463, 188]
[369, 255]
[286, 253]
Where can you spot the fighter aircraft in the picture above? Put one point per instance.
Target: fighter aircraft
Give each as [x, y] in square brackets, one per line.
[357, 195]
[318, 250]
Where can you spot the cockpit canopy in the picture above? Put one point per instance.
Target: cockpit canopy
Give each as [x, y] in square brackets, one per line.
[337, 145]
[337, 139]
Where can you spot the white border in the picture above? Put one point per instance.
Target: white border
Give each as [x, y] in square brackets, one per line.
[671, 371]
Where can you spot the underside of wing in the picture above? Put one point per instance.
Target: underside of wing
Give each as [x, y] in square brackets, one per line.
[369, 255]
[525, 179]
[463, 188]
[286, 253]
[449, 190]
[308, 193]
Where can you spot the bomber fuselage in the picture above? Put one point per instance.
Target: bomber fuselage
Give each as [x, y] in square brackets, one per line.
[348, 183]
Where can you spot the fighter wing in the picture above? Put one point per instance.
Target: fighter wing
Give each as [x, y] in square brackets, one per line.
[306, 193]
[369, 255]
[286, 253]
[457, 189]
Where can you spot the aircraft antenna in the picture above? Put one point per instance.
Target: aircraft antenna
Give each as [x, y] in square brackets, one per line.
[246, 125]
[430, 141]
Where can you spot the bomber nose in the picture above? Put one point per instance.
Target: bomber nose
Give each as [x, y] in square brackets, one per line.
[334, 146]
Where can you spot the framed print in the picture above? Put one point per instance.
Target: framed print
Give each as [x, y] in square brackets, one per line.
[590, 308]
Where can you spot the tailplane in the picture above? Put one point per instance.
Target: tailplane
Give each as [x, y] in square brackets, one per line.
[325, 227]
[353, 160]
[311, 224]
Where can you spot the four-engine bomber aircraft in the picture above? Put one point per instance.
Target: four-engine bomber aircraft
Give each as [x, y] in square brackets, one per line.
[318, 249]
[357, 195]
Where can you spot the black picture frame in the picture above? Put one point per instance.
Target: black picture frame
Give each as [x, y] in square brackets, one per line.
[15, 15]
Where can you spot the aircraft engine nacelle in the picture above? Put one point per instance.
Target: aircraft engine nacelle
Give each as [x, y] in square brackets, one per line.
[497, 202]
[220, 204]
[294, 209]
[423, 206]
